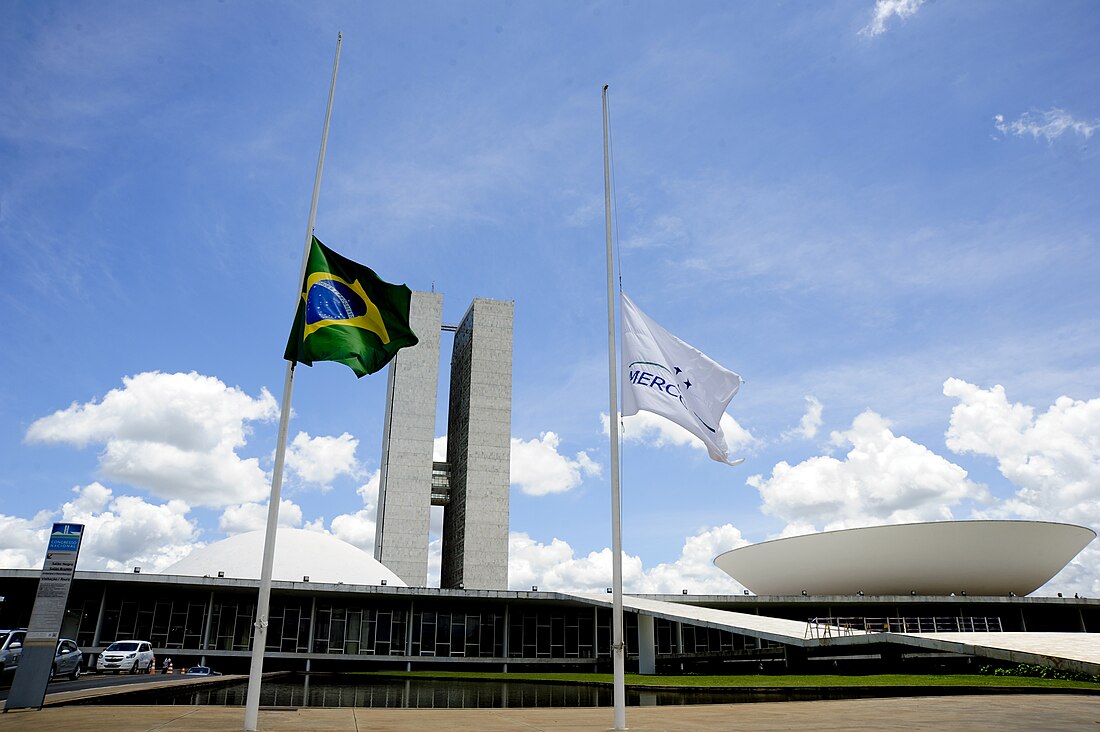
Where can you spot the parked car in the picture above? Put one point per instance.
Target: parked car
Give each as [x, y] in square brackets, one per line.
[11, 648]
[68, 660]
[202, 671]
[134, 656]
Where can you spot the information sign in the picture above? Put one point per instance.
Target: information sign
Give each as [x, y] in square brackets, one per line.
[28, 688]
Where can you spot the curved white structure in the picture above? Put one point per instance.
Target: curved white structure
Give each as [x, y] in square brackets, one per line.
[298, 553]
[936, 558]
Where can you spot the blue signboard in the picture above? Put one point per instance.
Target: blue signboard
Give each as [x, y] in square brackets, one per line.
[65, 538]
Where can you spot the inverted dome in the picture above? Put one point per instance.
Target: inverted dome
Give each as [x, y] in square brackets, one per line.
[298, 553]
[935, 558]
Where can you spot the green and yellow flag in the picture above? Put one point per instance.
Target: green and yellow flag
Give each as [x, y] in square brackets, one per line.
[346, 313]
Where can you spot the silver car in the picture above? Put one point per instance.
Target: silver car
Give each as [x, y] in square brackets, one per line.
[202, 671]
[11, 648]
[68, 660]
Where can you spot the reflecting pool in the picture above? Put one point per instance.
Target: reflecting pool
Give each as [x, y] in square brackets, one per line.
[373, 691]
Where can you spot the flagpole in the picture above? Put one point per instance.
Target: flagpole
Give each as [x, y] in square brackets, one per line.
[259, 637]
[618, 650]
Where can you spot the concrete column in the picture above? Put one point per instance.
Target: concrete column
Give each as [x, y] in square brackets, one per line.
[208, 621]
[647, 647]
[99, 618]
[596, 639]
[680, 644]
[312, 624]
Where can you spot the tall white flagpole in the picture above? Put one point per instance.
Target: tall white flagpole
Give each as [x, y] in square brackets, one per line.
[259, 636]
[618, 650]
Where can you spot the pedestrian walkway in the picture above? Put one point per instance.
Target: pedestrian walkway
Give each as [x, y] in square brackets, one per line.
[1012, 712]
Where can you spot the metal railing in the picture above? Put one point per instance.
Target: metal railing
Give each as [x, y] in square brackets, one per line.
[832, 627]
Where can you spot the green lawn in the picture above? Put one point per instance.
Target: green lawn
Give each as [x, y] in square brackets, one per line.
[736, 682]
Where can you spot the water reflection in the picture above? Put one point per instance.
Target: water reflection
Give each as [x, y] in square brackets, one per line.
[352, 691]
[414, 693]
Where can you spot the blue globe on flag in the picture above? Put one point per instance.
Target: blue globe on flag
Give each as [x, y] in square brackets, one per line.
[333, 301]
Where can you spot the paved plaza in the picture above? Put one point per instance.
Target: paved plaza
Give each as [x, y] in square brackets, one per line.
[1046, 712]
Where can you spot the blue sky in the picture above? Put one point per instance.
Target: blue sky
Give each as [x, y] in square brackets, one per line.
[882, 215]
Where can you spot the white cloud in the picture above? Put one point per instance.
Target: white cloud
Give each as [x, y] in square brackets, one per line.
[554, 567]
[538, 468]
[694, 570]
[369, 490]
[126, 531]
[1079, 576]
[175, 435]
[435, 521]
[656, 431]
[1050, 125]
[253, 517]
[317, 524]
[23, 541]
[321, 460]
[809, 424]
[435, 560]
[884, 10]
[358, 528]
[884, 478]
[1053, 458]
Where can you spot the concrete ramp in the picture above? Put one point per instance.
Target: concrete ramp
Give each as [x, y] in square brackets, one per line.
[788, 632]
[1068, 651]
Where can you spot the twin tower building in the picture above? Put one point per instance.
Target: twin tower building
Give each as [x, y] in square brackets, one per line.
[472, 485]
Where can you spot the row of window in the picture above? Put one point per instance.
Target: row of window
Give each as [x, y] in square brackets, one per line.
[383, 628]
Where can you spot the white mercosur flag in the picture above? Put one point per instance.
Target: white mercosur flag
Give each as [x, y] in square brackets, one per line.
[664, 375]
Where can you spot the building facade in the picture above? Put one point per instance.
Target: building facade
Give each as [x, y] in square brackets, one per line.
[334, 627]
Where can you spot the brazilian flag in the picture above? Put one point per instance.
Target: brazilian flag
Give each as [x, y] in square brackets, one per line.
[348, 314]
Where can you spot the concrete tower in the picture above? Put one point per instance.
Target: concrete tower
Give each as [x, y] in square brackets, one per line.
[479, 427]
[472, 486]
[408, 436]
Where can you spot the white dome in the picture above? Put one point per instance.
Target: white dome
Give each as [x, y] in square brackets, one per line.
[298, 553]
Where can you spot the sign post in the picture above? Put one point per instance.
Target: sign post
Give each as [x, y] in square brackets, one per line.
[28, 688]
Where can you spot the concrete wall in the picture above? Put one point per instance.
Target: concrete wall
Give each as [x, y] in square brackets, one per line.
[475, 524]
[404, 492]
